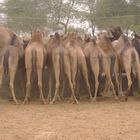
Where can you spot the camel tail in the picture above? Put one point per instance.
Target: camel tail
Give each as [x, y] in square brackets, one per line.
[113, 59]
[34, 60]
[135, 57]
[100, 58]
[5, 62]
[61, 61]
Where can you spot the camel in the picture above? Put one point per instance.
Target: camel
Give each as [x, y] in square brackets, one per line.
[136, 43]
[77, 59]
[128, 59]
[116, 33]
[97, 60]
[35, 58]
[11, 50]
[61, 62]
[104, 41]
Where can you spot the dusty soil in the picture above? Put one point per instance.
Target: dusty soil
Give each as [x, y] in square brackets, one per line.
[104, 120]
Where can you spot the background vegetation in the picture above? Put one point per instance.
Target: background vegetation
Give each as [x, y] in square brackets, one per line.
[26, 15]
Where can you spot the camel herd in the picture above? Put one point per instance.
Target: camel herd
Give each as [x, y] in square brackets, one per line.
[68, 55]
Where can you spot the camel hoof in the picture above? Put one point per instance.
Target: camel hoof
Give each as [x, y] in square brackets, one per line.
[10, 100]
[44, 102]
[94, 100]
[49, 99]
[25, 102]
[91, 100]
[73, 101]
[51, 103]
[16, 103]
[117, 98]
[124, 99]
[59, 99]
[77, 102]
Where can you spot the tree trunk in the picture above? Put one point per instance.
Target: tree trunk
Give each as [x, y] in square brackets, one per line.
[69, 15]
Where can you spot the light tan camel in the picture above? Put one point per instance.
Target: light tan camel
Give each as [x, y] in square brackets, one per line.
[105, 43]
[49, 46]
[60, 59]
[128, 59]
[35, 58]
[11, 50]
[97, 59]
[77, 58]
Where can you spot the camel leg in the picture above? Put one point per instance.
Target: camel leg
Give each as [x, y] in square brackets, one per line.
[108, 78]
[117, 83]
[28, 65]
[60, 94]
[63, 89]
[112, 86]
[138, 70]
[68, 75]
[39, 65]
[95, 69]
[127, 66]
[77, 88]
[28, 85]
[13, 62]
[120, 84]
[1, 73]
[73, 64]
[50, 85]
[116, 72]
[56, 66]
[85, 75]
[128, 74]
[12, 73]
[39, 74]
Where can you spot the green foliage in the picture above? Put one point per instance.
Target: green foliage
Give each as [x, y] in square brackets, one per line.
[26, 15]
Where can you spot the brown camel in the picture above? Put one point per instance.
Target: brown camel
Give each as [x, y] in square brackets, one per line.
[136, 43]
[116, 32]
[35, 58]
[49, 47]
[77, 59]
[11, 50]
[61, 62]
[97, 60]
[128, 59]
[105, 43]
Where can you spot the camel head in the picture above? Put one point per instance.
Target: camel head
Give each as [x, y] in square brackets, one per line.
[37, 36]
[116, 32]
[105, 35]
[87, 37]
[72, 35]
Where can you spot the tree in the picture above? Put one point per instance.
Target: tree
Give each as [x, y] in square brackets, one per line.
[26, 15]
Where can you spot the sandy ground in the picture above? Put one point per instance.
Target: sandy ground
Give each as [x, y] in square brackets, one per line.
[104, 120]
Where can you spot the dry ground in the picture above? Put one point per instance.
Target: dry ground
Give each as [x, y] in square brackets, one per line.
[104, 120]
